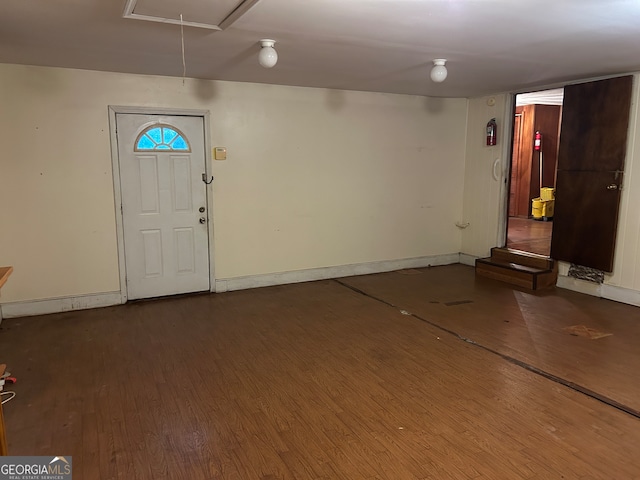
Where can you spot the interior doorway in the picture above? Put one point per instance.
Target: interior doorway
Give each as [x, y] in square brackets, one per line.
[536, 136]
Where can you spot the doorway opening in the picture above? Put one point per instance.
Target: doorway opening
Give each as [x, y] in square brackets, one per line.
[534, 159]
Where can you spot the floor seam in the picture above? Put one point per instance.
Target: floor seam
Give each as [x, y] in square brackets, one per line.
[514, 361]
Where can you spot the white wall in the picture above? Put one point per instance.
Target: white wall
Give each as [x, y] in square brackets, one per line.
[626, 269]
[484, 188]
[314, 177]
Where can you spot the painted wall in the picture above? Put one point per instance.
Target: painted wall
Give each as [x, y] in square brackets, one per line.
[626, 269]
[314, 177]
[485, 173]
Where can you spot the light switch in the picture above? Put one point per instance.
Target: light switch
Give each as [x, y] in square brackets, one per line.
[220, 153]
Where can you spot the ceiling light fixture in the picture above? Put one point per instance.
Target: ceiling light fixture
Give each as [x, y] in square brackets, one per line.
[439, 71]
[268, 56]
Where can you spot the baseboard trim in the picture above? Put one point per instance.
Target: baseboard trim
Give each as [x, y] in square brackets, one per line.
[610, 292]
[621, 294]
[57, 305]
[580, 286]
[64, 304]
[467, 259]
[324, 273]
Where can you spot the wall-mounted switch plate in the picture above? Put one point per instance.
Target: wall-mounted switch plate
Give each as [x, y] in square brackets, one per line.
[220, 153]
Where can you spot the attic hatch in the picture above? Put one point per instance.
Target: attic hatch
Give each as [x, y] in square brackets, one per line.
[216, 15]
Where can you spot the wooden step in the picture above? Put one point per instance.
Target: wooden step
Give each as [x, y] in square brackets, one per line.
[507, 255]
[525, 276]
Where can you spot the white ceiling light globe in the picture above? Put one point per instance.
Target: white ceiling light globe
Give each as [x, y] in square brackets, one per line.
[268, 56]
[439, 71]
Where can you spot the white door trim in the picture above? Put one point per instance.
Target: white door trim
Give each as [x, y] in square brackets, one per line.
[505, 165]
[117, 189]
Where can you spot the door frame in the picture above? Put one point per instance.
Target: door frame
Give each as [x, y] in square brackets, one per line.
[507, 149]
[117, 188]
[510, 112]
[506, 152]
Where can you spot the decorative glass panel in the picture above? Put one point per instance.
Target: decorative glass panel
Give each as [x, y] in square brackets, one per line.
[155, 134]
[162, 138]
[180, 144]
[169, 134]
[145, 143]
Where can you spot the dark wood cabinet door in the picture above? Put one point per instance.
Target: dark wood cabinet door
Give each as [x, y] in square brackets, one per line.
[593, 144]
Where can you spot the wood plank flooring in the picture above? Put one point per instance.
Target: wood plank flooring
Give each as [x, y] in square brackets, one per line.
[526, 325]
[318, 381]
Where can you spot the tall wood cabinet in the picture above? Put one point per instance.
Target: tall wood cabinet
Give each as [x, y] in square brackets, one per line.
[525, 161]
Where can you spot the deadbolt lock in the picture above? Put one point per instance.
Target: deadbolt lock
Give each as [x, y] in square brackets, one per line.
[201, 209]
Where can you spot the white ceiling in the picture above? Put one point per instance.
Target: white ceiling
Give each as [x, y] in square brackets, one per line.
[373, 45]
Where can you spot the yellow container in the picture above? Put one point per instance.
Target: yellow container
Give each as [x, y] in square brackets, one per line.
[547, 193]
[542, 209]
[536, 208]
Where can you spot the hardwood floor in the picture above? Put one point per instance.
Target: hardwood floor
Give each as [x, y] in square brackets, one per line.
[529, 235]
[525, 325]
[321, 381]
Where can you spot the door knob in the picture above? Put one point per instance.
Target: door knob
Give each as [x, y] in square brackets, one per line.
[613, 186]
[203, 220]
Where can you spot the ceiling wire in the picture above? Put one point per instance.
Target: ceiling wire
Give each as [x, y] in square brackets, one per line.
[184, 65]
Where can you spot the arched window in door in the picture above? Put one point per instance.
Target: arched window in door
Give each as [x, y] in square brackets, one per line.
[163, 138]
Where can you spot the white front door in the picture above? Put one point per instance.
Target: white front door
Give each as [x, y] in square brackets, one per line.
[164, 204]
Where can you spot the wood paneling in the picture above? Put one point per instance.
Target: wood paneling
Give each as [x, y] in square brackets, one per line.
[515, 185]
[547, 121]
[318, 381]
[525, 164]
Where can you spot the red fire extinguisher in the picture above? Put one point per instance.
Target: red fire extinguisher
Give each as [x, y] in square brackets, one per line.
[537, 142]
[492, 128]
